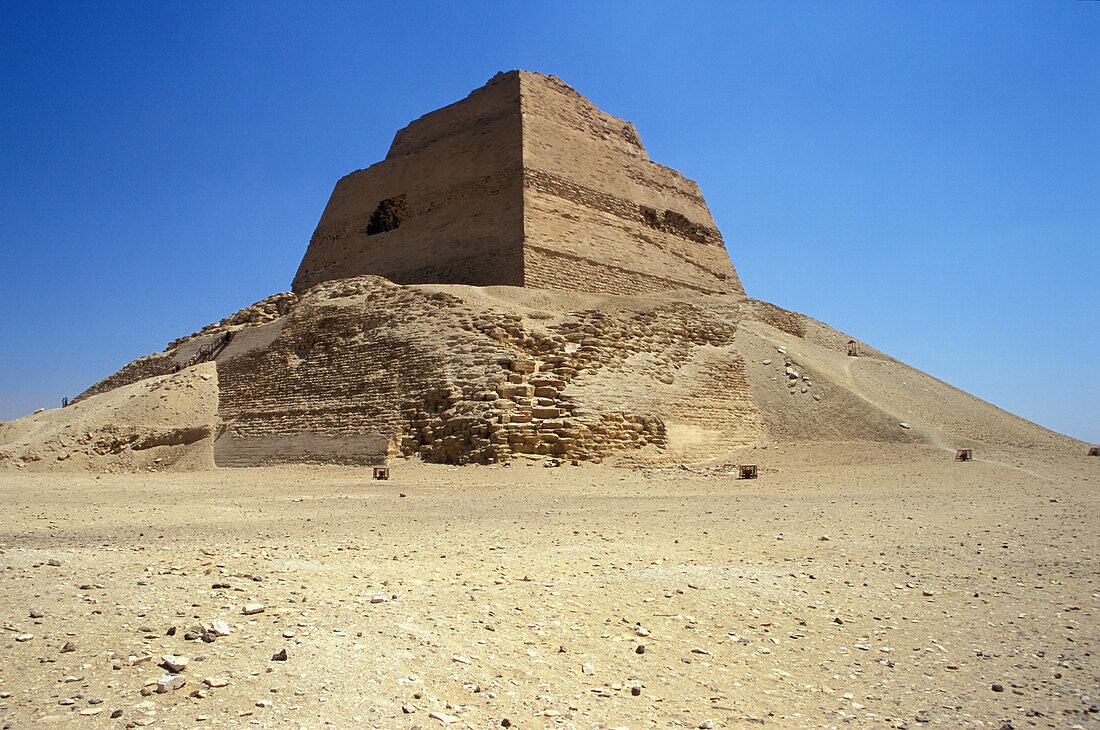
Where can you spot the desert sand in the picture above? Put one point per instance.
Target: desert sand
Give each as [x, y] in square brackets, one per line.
[848, 586]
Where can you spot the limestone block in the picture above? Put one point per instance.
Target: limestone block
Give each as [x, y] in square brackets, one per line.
[525, 366]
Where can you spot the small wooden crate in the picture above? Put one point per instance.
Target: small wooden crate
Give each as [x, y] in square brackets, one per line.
[746, 471]
[381, 472]
[964, 455]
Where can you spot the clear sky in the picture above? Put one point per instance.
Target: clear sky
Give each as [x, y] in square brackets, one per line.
[924, 176]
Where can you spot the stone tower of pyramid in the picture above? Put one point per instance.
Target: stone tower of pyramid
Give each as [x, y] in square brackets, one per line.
[524, 183]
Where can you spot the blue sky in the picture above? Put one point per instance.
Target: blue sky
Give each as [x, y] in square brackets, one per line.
[924, 176]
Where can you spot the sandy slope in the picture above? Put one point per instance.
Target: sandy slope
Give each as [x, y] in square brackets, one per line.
[161, 422]
[841, 589]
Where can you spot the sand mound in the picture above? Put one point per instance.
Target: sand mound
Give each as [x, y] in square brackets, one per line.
[165, 421]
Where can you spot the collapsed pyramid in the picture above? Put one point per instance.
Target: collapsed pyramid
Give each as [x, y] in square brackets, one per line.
[516, 278]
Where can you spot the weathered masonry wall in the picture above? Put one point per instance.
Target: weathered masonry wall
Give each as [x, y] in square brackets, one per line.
[592, 194]
[525, 182]
[443, 207]
[362, 368]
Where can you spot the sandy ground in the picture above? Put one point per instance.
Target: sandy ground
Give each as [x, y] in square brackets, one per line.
[848, 586]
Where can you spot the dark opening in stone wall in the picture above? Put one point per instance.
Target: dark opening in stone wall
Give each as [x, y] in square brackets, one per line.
[387, 216]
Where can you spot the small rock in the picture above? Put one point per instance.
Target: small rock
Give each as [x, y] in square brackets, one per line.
[68, 647]
[37, 614]
[253, 608]
[209, 637]
[635, 690]
[587, 669]
[640, 649]
[175, 663]
[997, 688]
[215, 682]
[443, 717]
[116, 714]
[24, 637]
[219, 627]
[170, 682]
[904, 425]
[263, 703]
[279, 656]
[54, 562]
[706, 724]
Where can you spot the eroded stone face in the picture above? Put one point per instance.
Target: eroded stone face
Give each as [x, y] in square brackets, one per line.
[525, 183]
[377, 369]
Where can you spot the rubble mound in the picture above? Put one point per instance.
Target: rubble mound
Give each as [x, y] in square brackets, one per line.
[360, 370]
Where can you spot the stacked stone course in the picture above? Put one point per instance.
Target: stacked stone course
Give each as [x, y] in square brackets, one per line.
[525, 183]
[361, 368]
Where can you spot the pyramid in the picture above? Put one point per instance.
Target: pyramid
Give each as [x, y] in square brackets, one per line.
[516, 279]
[522, 183]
